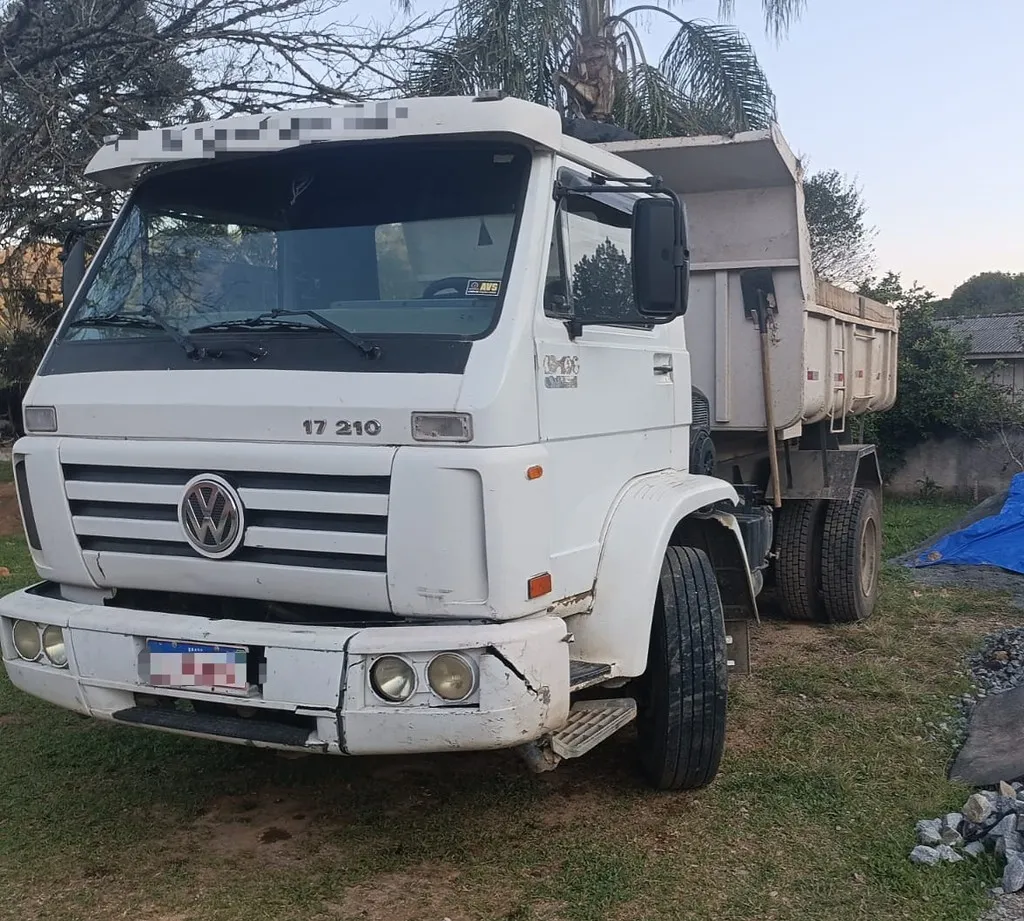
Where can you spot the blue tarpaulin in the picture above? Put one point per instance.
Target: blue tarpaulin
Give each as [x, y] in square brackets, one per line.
[994, 541]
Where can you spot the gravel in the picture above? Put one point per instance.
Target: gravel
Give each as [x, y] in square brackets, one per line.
[1013, 875]
[999, 664]
[927, 856]
[977, 809]
[987, 823]
[929, 831]
[1006, 908]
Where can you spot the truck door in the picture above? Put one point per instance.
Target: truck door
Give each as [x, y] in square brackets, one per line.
[607, 399]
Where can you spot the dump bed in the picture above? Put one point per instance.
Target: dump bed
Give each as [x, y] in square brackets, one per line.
[833, 353]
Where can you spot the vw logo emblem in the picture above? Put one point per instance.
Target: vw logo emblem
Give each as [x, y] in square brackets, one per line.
[210, 514]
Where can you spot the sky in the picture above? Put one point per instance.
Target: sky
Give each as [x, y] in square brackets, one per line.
[919, 101]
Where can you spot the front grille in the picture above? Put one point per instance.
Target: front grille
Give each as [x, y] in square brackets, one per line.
[310, 520]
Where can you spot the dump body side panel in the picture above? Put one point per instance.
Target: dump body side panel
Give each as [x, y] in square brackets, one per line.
[832, 352]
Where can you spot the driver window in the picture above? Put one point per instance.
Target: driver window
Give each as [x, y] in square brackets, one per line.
[596, 257]
[599, 253]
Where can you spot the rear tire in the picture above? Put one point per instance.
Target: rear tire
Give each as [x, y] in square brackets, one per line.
[683, 693]
[798, 560]
[851, 553]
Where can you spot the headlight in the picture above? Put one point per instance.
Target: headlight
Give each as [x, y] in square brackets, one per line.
[455, 427]
[393, 678]
[39, 419]
[53, 646]
[26, 640]
[451, 676]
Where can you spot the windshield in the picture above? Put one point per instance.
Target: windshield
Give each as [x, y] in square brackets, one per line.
[383, 240]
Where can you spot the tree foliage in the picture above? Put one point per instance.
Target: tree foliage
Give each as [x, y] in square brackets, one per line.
[986, 294]
[938, 394]
[585, 59]
[841, 248]
[602, 283]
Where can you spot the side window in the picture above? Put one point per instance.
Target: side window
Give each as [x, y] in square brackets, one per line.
[597, 260]
[556, 292]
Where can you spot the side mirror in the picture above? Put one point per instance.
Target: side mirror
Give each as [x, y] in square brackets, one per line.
[661, 261]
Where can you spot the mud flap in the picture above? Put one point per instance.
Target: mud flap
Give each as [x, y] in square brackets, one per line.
[737, 647]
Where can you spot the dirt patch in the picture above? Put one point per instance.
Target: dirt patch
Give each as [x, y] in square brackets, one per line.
[423, 893]
[268, 827]
[777, 643]
[10, 518]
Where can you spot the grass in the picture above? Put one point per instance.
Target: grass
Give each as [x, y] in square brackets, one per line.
[908, 522]
[827, 769]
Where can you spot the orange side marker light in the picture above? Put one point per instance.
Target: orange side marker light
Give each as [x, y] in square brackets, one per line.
[539, 585]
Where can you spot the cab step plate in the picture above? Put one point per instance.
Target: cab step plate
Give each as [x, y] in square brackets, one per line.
[590, 723]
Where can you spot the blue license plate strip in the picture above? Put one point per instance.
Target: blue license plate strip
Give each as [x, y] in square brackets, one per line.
[184, 664]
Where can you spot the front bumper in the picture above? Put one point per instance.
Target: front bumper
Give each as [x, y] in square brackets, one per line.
[313, 692]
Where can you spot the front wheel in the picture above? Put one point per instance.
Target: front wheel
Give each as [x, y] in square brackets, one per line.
[682, 695]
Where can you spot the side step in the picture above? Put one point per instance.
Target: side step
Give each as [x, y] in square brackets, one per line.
[230, 727]
[590, 723]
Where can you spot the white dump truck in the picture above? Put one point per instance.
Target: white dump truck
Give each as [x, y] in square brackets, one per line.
[380, 429]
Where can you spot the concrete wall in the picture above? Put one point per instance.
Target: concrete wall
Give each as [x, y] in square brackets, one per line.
[967, 469]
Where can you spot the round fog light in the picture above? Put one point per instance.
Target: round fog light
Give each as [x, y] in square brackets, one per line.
[26, 640]
[53, 646]
[451, 677]
[393, 678]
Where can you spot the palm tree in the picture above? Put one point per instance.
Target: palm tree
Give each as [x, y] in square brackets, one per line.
[585, 58]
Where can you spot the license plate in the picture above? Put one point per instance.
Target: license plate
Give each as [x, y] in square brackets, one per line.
[180, 664]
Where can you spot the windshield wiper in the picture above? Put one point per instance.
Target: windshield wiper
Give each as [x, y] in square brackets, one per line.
[271, 320]
[148, 318]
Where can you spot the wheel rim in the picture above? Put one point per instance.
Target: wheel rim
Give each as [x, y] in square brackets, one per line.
[868, 557]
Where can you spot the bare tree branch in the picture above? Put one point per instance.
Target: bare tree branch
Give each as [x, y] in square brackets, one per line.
[75, 71]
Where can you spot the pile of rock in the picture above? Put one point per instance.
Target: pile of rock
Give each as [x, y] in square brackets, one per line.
[999, 664]
[990, 820]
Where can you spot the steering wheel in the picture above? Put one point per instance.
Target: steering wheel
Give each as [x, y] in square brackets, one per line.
[456, 283]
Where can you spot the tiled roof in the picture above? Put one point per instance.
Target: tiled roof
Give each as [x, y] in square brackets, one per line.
[1001, 333]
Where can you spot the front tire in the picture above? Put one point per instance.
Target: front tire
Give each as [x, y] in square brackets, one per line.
[683, 693]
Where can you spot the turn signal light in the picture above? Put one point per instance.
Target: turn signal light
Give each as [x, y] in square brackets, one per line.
[539, 585]
[535, 472]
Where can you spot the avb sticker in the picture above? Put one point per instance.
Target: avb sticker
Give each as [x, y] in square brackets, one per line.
[478, 288]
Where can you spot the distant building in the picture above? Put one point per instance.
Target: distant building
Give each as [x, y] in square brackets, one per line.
[997, 347]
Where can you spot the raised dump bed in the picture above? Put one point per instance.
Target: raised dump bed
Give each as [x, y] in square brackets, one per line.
[832, 352]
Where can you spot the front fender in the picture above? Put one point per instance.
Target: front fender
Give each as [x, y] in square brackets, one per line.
[639, 526]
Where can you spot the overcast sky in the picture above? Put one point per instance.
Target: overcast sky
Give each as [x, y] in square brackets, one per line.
[919, 100]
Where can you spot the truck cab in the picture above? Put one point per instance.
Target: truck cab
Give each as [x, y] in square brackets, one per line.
[370, 430]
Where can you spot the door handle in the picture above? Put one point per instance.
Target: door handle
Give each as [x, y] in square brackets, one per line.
[662, 364]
